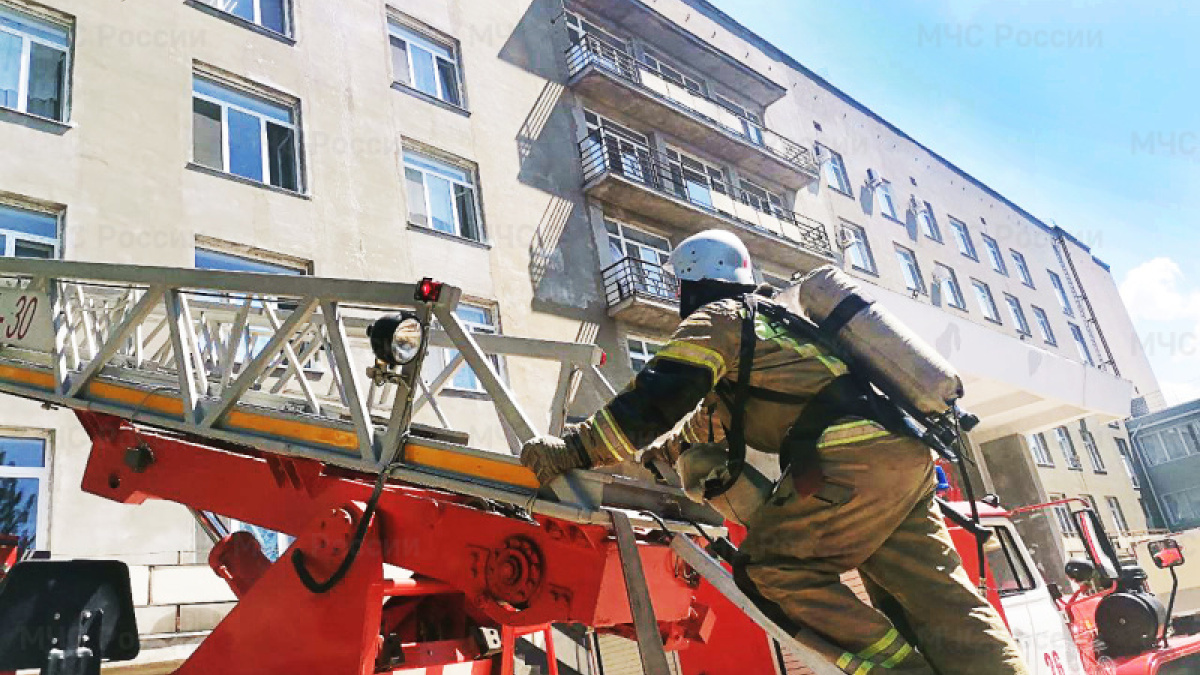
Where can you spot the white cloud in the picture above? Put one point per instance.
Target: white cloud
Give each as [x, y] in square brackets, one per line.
[1157, 290]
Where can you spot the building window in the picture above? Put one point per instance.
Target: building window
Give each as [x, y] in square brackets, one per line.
[1085, 354]
[274, 15]
[983, 295]
[25, 490]
[759, 197]
[1182, 507]
[1191, 436]
[1043, 323]
[245, 135]
[673, 75]
[643, 255]
[1152, 449]
[1093, 451]
[1061, 292]
[1066, 524]
[994, 255]
[911, 269]
[476, 319]
[1022, 268]
[858, 249]
[835, 170]
[887, 203]
[696, 180]
[1041, 451]
[751, 121]
[1173, 441]
[1127, 462]
[33, 64]
[25, 233]
[641, 351]
[947, 281]
[1017, 313]
[928, 223]
[963, 236]
[427, 64]
[442, 196]
[1118, 515]
[1067, 446]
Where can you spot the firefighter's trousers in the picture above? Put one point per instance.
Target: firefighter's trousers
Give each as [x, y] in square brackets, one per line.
[883, 522]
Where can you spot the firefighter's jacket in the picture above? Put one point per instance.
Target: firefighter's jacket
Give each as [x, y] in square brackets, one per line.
[681, 384]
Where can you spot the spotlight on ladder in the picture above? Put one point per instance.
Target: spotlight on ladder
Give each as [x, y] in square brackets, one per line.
[396, 338]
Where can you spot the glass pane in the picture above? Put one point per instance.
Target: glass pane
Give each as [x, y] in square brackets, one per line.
[274, 15]
[464, 198]
[216, 260]
[28, 222]
[418, 210]
[34, 27]
[269, 109]
[448, 74]
[18, 509]
[3, 245]
[464, 377]
[423, 70]
[32, 249]
[281, 151]
[47, 73]
[23, 452]
[10, 69]
[441, 204]
[245, 145]
[242, 8]
[207, 147]
[474, 315]
[400, 61]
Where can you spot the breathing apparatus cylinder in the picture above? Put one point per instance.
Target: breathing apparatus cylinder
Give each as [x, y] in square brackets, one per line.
[891, 354]
[706, 461]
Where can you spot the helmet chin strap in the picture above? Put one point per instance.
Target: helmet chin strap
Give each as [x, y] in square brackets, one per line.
[695, 294]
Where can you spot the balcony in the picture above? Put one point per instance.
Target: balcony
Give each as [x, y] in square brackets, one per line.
[604, 73]
[643, 293]
[628, 176]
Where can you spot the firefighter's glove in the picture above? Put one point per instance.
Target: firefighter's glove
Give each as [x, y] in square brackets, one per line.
[550, 457]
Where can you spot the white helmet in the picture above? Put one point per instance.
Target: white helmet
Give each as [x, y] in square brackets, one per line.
[712, 254]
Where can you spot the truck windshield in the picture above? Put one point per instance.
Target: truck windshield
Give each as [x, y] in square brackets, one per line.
[1008, 567]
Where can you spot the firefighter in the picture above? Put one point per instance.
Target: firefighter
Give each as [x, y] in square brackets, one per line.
[854, 495]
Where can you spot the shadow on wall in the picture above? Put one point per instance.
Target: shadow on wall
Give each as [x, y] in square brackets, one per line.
[563, 266]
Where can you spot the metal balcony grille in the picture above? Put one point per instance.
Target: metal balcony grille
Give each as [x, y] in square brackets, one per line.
[591, 51]
[634, 278]
[608, 153]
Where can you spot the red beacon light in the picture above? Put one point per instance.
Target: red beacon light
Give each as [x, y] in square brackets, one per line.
[429, 290]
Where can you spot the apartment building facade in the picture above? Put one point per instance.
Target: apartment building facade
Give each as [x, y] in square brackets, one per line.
[544, 156]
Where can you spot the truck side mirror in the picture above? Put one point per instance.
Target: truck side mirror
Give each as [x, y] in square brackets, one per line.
[1167, 553]
[1097, 544]
[1080, 571]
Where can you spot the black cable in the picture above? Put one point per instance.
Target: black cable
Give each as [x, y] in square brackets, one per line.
[969, 493]
[360, 535]
[699, 529]
[661, 523]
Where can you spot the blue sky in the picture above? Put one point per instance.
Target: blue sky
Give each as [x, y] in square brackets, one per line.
[1084, 112]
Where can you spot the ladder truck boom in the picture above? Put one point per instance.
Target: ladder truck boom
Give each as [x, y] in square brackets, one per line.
[261, 398]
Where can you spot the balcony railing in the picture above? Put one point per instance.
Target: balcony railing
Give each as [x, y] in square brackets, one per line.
[635, 278]
[608, 153]
[591, 51]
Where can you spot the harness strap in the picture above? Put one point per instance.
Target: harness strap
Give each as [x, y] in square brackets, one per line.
[842, 313]
[735, 435]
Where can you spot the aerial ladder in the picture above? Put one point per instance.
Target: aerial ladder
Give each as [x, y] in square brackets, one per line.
[291, 403]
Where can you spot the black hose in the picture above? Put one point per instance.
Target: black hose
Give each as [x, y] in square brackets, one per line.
[360, 535]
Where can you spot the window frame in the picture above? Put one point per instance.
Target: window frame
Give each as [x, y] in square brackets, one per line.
[837, 167]
[1118, 515]
[958, 300]
[1066, 523]
[43, 474]
[1022, 266]
[927, 221]
[962, 236]
[264, 137]
[473, 185]
[991, 312]
[995, 255]
[1043, 321]
[909, 265]
[443, 354]
[1018, 314]
[1070, 454]
[1060, 292]
[25, 67]
[417, 36]
[644, 344]
[1011, 551]
[884, 191]
[1085, 352]
[10, 237]
[1041, 450]
[285, 5]
[1093, 451]
[860, 239]
[1127, 461]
